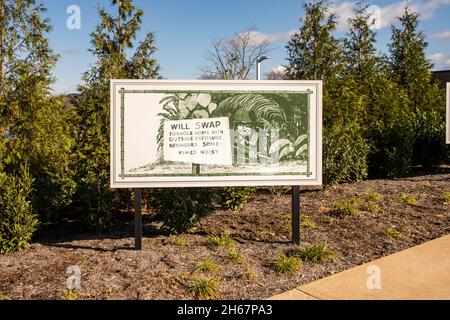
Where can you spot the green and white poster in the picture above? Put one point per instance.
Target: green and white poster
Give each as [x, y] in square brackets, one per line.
[215, 133]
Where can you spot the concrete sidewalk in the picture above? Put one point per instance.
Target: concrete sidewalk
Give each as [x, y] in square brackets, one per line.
[421, 272]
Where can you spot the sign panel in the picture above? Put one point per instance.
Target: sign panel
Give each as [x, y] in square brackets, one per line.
[200, 141]
[448, 112]
[215, 133]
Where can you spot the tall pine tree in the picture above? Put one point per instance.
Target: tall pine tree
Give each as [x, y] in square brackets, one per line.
[412, 71]
[315, 54]
[35, 125]
[359, 45]
[111, 44]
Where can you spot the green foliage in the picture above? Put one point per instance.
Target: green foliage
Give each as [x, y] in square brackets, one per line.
[430, 148]
[286, 264]
[205, 289]
[346, 207]
[390, 129]
[180, 209]
[235, 255]
[307, 223]
[235, 198]
[70, 295]
[4, 296]
[393, 233]
[345, 155]
[360, 50]
[382, 114]
[45, 143]
[206, 266]
[17, 220]
[313, 52]
[180, 242]
[445, 197]
[36, 125]
[374, 196]
[111, 44]
[407, 199]
[412, 71]
[319, 252]
[370, 207]
[219, 240]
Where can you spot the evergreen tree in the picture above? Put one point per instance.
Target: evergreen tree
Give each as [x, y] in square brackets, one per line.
[35, 126]
[111, 44]
[412, 71]
[359, 46]
[315, 54]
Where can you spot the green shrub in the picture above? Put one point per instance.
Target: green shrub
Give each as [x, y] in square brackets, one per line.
[17, 220]
[206, 266]
[70, 295]
[319, 252]
[205, 289]
[286, 264]
[445, 197]
[234, 198]
[179, 242]
[219, 240]
[408, 199]
[234, 255]
[374, 196]
[392, 156]
[180, 209]
[430, 148]
[346, 207]
[307, 223]
[393, 233]
[345, 154]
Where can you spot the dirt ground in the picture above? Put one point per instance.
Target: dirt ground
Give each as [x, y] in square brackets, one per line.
[411, 211]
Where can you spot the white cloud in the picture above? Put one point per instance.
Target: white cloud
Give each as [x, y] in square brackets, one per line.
[387, 15]
[443, 35]
[440, 60]
[279, 69]
[259, 37]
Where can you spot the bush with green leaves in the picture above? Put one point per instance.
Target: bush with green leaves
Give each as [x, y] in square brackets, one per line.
[345, 154]
[117, 56]
[180, 209]
[393, 150]
[17, 220]
[45, 142]
[430, 148]
[235, 197]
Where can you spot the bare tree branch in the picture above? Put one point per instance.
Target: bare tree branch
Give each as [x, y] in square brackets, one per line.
[235, 58]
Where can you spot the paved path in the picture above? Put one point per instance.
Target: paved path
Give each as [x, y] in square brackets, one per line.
[421, 272]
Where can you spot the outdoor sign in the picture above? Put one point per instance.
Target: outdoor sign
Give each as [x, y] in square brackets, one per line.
[448, 112]
[215, 133]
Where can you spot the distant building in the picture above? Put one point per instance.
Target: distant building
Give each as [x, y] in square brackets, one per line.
[442, 76]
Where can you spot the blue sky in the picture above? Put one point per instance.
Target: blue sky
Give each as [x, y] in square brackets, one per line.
[185, 29]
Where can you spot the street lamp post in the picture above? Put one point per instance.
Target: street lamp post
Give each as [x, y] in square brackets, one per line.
[258, 65]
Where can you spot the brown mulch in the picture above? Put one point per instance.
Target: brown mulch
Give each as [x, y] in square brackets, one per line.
[111, 269]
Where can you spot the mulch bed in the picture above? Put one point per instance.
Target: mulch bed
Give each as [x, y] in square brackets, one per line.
[111, 269]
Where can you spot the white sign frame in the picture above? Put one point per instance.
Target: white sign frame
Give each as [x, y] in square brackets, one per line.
[315, 116]
[447, 99]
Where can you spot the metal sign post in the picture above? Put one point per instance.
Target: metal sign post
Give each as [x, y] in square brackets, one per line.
[296, 214]
[138, 218]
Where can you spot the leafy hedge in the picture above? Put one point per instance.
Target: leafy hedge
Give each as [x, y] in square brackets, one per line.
[17, 220]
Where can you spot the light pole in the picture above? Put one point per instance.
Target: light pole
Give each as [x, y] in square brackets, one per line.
[258, 65]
